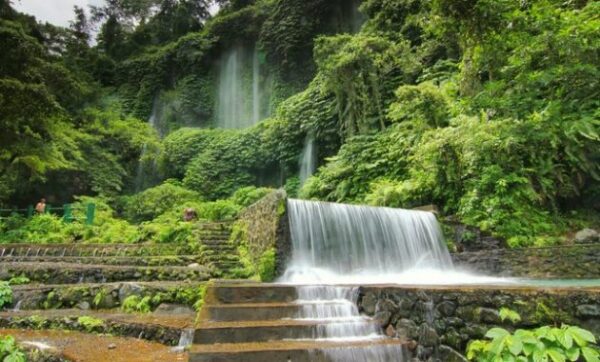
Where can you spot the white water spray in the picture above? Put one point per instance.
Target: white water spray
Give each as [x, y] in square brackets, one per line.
[308, 159]
[239, 97]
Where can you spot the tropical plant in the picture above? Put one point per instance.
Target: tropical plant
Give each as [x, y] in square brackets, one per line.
[567, 343]
[9, 351]
[6, 294]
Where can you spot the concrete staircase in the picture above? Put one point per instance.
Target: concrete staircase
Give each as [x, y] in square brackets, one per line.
[241, 321]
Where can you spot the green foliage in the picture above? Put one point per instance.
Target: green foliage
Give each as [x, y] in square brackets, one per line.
[9, 351]
[509, 314]
[6, 294]
[246, 196]
[137, 304]
[266, 266]
[90, 324]
[362, 71]
[155, 201]
[19, 280]
[566, 343]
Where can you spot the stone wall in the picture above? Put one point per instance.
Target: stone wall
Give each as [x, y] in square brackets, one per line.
[263, 226]
[564, 262]
[441, 320]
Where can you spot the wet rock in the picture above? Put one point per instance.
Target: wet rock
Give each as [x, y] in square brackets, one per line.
[385, 305]
[452, 338]
[588, 310]
[129, 289]
[454, 322]
[405, 307]
[448, 354]
[173, 309]
[587, 236]
[83, 305]
[424, 353]
[428, 337]
[446, 308]
[390, 331]
[474, 331]
[405, 328]
[108, 302]
[488, 315]
[369, 302]
[383, 318]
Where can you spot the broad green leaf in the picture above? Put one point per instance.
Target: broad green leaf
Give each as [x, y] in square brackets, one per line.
[581, 336]
[496, 333]
[590, 354]
[539, 356]
[514, 345]
[572, 353]
[556, 355]
[497, 345]
[563, 337]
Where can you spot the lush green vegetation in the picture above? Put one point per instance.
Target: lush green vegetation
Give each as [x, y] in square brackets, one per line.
[486, 108]
[567, 343]
[9, 351]
[6, 294]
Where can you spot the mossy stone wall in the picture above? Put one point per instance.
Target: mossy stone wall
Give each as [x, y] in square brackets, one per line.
[578, 261]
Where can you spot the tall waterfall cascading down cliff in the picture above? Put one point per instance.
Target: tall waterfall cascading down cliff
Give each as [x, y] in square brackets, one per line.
[308, 159]
[240, 100]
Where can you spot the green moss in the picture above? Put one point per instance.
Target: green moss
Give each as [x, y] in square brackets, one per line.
[266, 266]
[90, 324]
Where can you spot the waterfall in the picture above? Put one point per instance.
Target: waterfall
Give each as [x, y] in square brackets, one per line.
[255, 86]
[346, 241]
[141, 177]
[186, 339]
[308, 159]
[239, 97]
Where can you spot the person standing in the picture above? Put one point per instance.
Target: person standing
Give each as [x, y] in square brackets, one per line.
[40, 208]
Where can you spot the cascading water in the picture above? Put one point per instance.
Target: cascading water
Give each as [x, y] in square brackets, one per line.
[143, 170]
[308, 159]
[336, 243]
[240, 94]
[335, 246]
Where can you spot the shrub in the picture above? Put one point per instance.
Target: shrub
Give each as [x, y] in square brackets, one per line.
[567, 343]
[19, 280]
[9, 351]
[90, 324]
[6, 294]
[137, 304]
[155, 201]
[266, 266]
[246, 196]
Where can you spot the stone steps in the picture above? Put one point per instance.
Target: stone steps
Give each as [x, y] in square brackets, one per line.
[263, 331]
[262, 311]
[151, 260]
[70, 273]
[243, 293]
[242, 321]
[25, 249]
[295, 351]
[60, 296]
[166, 329]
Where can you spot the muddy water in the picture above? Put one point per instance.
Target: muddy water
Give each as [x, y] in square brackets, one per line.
[81, 347]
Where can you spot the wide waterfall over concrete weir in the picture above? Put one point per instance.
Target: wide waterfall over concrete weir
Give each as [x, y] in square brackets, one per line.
[330, 239]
